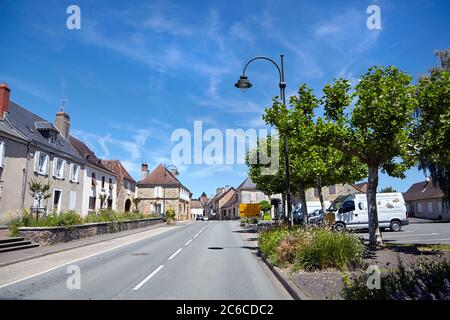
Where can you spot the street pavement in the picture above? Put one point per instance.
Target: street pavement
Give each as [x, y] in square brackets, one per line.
[200, 260]
[418, 231]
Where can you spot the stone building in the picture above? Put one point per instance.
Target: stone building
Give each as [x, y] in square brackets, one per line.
[161, 190]
[424, 200]
[125, 186]
[198, 206]
[330, 193]
[221, 205]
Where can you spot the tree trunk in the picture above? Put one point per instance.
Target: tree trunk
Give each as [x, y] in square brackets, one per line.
[302, 195]
[375, 238]
[282, 210]
[319, 189]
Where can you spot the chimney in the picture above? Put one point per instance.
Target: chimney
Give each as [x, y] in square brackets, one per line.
[4, 99]
[62, 122]
[144, 171]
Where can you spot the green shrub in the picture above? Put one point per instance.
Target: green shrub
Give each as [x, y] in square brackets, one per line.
[423, 280]
[328, 249]
[170, 214]
[269, 241]
[70, 218]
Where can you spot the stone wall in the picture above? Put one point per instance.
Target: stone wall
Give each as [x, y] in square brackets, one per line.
[52, 235]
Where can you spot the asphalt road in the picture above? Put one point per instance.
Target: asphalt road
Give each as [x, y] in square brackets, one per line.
[202, 260]
[415, 232]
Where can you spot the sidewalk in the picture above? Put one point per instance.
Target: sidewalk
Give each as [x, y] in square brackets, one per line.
[413, 220]
[12, 257]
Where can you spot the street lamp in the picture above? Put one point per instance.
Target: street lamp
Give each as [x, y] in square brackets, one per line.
[243, 83]
[167, 167]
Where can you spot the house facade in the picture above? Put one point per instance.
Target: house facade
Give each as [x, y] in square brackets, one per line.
[198, 206]
[160, 190]
[125, 185]
[220, 207]
[424, 200]
[99, 183]
[38, 152]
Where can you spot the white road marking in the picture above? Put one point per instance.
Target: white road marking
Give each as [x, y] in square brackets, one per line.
[196, 235]
[176, 252]
[148, 278]
[444, 239]
[187, 243]
[76, 260]
[412, 235]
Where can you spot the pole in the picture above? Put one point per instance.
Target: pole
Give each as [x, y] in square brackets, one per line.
[286, 148]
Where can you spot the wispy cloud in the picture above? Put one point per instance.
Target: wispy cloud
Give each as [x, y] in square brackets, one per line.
[37, 91]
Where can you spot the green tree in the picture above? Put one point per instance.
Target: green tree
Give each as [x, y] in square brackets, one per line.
[265, 206]
[313, 164]
[387, 190]
[39, 191]
[376, 128]
[432, 131]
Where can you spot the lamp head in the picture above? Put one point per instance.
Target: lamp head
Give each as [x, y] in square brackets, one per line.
[243, 83]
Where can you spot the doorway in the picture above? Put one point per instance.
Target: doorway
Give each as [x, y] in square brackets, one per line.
[127, 205]
[57, 194]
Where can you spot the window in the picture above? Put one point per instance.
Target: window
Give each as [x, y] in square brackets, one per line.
[440, 206]
[419, 207]
[158, 209]
[2, 153]
[332, 189]
[103, 182]
[430, 207]
[348, 206]
[58, 168]
[158, 192]
[41, 162]
[93, 180]
[110, 184]
[92, 201]
[73, 200]
[74, 172]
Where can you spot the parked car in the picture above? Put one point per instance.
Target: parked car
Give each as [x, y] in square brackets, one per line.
[350, 212]
[199, 217]
[315, 217]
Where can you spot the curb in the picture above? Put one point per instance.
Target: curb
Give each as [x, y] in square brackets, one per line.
[39, 255]
[293, 290]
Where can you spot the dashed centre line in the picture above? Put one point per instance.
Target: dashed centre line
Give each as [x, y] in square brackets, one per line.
[187, 243]
[173, 255]
[148, 277]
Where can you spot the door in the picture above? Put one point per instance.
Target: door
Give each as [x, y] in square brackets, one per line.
[57, 200]
[127, 205]
[347, 213]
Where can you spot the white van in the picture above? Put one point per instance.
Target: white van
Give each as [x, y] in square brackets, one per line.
[351, 211]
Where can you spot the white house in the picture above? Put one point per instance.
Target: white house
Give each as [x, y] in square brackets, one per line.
[99, 183]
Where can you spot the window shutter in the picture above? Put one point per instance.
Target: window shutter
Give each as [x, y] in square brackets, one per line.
[71, 172]
[63, 169]
[36, 161]
[55, 167]
[47, 164]
[2, 153]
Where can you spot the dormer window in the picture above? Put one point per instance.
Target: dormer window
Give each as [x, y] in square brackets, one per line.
[47, 130]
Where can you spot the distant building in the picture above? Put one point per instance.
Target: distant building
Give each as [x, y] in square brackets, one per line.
[221, 205]
[161, 190]
[330, 193]
[125, 185]
[198, 206]
[424, 200]
[99, 186]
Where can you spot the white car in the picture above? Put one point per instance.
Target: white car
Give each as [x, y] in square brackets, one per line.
[350, 212]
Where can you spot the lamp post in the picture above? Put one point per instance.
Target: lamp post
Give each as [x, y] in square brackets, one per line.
[244, 83]
[167, 167]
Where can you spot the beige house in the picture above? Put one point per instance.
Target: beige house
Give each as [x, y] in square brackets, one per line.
[161, 190]
[35, 149]
[125, 185]
[424, 200]
[222, 206]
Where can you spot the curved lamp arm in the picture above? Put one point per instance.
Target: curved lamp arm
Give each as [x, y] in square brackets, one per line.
[263, 58]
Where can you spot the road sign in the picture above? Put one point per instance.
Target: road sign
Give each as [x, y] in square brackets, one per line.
[249, 209]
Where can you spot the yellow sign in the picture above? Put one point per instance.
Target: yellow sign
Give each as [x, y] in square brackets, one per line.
[249, 209]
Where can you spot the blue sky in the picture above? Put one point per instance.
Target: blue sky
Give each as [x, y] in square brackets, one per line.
[136, 70]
